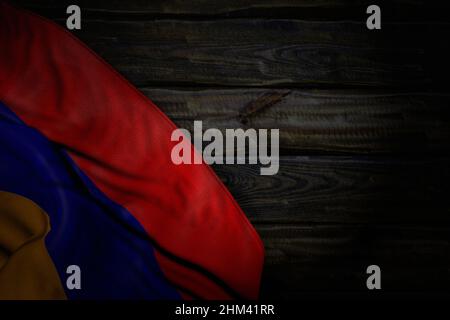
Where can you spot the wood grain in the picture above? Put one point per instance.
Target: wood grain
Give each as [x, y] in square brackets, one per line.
[305, 9]
[312, 121]
[269, 52]
[319, 258]
[344, 190]
[262, 52]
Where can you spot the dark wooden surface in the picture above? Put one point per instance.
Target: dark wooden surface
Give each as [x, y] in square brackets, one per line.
[363, 117]
[320, 121]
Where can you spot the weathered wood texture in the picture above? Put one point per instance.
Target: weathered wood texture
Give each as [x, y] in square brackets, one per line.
[256, 52]
[305, 9]
[335, 257]
[267, 52]
[344, 190]
[312, 121]
[365, 172]
[198, 6]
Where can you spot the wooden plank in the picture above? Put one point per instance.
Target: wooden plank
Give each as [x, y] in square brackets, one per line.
[196, 6]
[335, 257]
[305, 9]
[270, 52]
[326, 189]
[319, 121]
[265, 52]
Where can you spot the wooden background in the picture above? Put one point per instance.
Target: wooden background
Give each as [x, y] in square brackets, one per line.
[363, 116]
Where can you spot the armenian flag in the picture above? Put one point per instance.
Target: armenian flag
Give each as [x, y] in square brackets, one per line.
[86, 180]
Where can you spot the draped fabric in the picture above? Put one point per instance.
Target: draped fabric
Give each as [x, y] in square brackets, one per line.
[94, 153]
